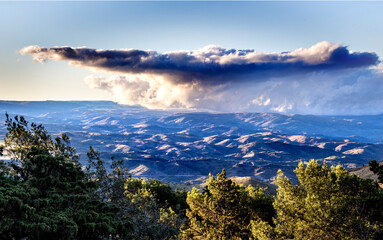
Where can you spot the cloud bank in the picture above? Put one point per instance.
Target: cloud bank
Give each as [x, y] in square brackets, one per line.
[323, 79]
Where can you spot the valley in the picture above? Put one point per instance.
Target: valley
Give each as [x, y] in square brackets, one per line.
[185, 147]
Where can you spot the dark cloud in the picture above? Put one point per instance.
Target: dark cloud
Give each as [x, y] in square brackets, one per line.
[211, 64]
[342, 58]
[323, 79]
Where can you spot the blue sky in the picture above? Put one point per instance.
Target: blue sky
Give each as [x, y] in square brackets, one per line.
[272, 27]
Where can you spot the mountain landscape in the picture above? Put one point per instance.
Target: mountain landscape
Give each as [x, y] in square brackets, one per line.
[184, 147]
[163, 120]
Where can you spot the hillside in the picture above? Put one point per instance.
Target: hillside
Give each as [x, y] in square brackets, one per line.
[185, 146]
[365, 172]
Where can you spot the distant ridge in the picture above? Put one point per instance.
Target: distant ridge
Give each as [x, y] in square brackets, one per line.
[184, 146]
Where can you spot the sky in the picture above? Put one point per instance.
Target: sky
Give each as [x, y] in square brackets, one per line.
[288, 57]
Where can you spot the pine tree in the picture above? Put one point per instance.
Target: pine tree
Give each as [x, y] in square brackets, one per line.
[156, 212]
[327, 203]
[224, 210]
[45, 194]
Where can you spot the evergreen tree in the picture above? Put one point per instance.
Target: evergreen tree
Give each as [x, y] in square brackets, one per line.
[22, 136]
[45, 194]
[163, 194]
[154, 209]
[224, 210]
[327, 203]
[56, 200]
[15, 211]
[148, 209]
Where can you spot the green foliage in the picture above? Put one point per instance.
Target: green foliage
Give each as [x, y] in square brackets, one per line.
[22, 137]
[149, 206]
[146, 207]
[327, 203]
[164, 195]
[52, 199]
[224, 210]
[14, 208]
[44, 192]
[377, 169]
[110, 186]
[262, 230]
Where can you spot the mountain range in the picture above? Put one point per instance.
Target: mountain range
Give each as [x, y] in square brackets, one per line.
[184, 146]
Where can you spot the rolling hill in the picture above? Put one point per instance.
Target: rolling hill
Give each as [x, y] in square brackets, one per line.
[184, 146]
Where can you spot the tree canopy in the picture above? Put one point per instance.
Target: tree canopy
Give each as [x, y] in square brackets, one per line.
[48, 197]
[224, 210]
[45, 193]
[327, 203]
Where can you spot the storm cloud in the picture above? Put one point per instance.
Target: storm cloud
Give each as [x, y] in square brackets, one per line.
[325, 78]
[211, 64]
